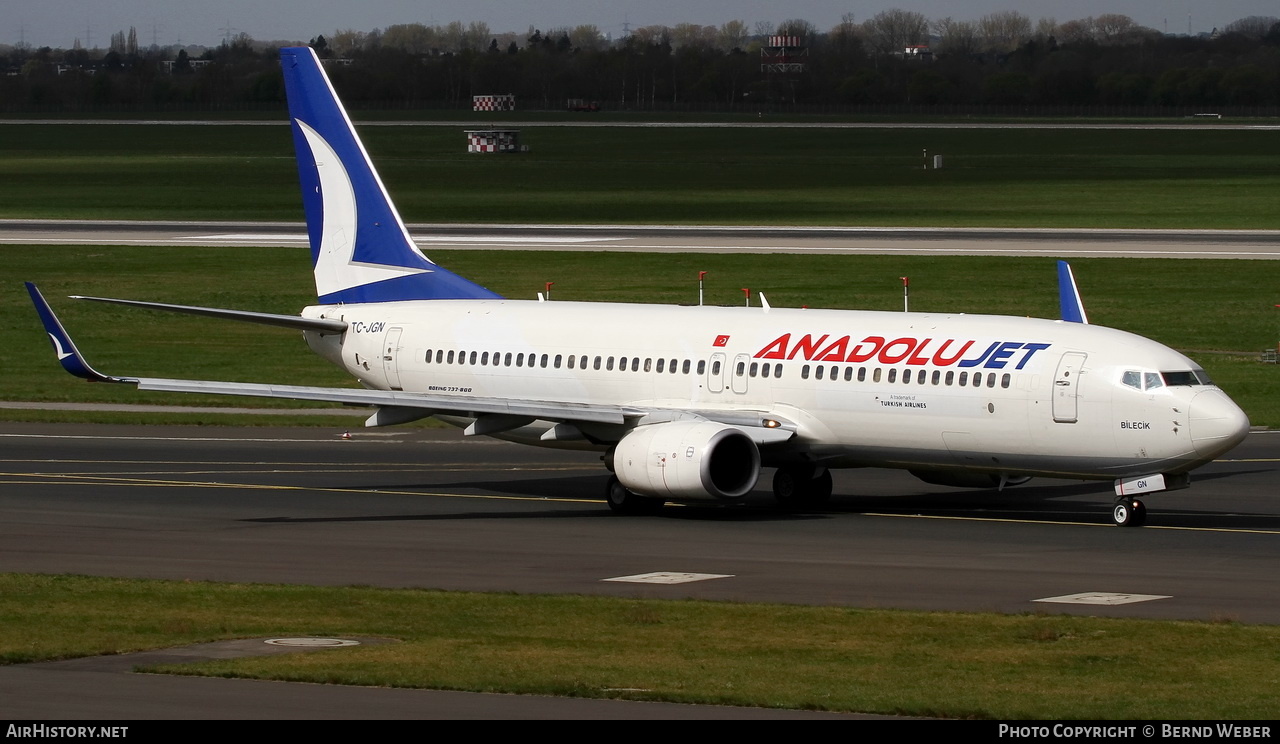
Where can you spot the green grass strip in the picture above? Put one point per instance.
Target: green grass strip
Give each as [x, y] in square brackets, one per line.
[1207, 178]
[961, 665]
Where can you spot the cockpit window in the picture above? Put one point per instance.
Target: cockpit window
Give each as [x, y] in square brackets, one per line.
[1188, 377]
[1132, 378]
[1151, 380]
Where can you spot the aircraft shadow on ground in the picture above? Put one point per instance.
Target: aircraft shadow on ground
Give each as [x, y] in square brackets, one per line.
[1072, 502]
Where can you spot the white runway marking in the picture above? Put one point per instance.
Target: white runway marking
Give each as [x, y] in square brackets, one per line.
[1103, 598]
[668, 577]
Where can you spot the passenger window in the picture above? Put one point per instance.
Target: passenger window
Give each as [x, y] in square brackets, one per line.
[506, 360]
[597, 364]
[991, 380]
[875, 375]
[439, 356]
[862, 374]
[755, 367]
[608, 364]
[473, 358]
[817, 373]
[648, 364]
[777, 370]
[893, 375]
[661, 363]
[715, 367]
[428, 356]
[557, 363]
[543, 362]
[702, 367]
[635, 364]
[1006, 380]
[685, 368]
[848, 374]
[804, 372]
[937, 376]
[951, 377]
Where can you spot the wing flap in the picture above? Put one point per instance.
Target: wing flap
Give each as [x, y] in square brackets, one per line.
[451, 404]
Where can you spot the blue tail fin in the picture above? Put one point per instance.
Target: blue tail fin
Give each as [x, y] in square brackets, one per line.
[360, 247]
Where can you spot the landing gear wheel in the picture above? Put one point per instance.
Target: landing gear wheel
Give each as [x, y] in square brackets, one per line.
[799, 488]
[1128, 513]
[623, 501]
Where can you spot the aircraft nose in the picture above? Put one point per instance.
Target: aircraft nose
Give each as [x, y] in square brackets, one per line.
[1217, 423]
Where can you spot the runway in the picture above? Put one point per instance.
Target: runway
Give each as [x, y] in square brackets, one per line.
[424, 508]
[1058, 243]
[429, 508]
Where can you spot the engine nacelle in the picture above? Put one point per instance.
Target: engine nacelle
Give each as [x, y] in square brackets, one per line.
[688, 461]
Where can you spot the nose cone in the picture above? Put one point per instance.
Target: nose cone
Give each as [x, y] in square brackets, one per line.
[1217, 423]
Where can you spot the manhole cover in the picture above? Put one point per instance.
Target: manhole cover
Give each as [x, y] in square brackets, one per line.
[312, 642]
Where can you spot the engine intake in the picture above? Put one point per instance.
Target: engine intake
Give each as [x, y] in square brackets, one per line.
[688, 460]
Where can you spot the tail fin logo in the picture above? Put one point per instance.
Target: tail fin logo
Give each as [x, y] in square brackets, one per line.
[335, 267]
[360, 247]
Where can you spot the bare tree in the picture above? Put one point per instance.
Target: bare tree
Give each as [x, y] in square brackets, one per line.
[587, 37]
[1255, 27]
[1079, 31]
[1004, 31]
[895, 29]
[693, 35]
[1113, 28]
[412, 38]
[956, 37]
[798, 27]
[732, 35]
[345, 42]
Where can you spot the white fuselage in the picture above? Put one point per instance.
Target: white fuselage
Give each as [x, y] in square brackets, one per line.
[1007, 395]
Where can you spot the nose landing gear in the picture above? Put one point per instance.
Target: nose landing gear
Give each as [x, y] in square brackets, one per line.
[1128, 512]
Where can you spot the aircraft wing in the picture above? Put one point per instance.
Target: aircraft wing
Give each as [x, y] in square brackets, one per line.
[495, 414]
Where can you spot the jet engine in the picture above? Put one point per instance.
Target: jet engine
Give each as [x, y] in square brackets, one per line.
[688, 461]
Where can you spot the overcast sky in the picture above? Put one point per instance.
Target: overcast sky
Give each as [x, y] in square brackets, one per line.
[58, 23]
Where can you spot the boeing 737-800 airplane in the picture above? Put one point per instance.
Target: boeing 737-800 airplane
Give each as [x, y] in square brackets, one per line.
[690, 403]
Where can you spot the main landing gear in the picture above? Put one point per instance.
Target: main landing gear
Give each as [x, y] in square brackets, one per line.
[1128, 512]
[802, 486]
[623, 501]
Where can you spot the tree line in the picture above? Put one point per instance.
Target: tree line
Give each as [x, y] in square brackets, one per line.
[1002, 62]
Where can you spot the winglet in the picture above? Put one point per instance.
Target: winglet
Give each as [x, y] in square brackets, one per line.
[1072, 307]
[68, 355]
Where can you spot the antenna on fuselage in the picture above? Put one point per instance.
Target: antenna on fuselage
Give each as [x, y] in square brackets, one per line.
[906, 294]
[701, 274]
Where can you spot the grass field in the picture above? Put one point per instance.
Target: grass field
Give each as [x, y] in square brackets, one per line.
[952, 665]
[1226, 179]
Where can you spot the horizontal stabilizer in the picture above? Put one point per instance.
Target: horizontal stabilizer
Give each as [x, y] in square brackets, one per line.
[323, 325]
